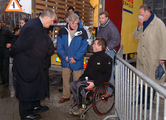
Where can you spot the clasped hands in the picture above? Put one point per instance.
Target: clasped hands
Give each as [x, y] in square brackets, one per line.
[72, 61]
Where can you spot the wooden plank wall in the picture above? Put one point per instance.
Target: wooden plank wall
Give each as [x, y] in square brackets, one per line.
[82, 6]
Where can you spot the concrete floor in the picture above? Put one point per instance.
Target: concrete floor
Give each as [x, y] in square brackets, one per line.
[9, 104]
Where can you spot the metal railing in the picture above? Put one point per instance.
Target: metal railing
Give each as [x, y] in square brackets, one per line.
[134, 98]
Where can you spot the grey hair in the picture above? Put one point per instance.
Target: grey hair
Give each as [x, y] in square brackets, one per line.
[73, 17]
[49, 13]
[145, 8]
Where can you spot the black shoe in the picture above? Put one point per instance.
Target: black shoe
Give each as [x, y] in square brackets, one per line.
[31, 117]
[40, 109]
[1, 83]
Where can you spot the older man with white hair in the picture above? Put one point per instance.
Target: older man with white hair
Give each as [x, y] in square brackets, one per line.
[71, 46]
[151, 48]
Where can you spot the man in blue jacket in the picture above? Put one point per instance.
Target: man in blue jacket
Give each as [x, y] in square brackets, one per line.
[71, 47]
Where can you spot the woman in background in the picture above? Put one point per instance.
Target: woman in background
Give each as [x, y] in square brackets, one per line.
[23, 21]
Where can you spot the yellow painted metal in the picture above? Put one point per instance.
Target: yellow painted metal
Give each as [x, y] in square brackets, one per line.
[86, 59]
[95, 5]
[55, 60]
[129, 23]
[132, 55]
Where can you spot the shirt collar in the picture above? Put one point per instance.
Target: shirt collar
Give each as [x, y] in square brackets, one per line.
[41, 21]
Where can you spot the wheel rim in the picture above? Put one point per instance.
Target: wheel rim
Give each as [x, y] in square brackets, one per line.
[103, 99]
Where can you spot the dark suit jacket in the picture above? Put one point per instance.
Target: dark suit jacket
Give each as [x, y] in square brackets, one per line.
[29, 53]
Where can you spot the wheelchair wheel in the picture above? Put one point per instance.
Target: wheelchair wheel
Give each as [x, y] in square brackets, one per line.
[103, 98]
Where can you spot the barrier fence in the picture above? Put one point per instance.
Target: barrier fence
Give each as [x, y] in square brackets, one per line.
[133, 92]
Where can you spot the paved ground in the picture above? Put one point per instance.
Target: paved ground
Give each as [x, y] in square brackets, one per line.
[9, 104]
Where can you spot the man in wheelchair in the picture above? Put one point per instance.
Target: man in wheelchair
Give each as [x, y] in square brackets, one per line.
[97, 71]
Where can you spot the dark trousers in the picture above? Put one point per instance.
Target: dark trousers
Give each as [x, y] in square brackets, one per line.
[4, 67]
[143, 94]
[79, 91]
[47, 74]
[25, 107]
[14, 80]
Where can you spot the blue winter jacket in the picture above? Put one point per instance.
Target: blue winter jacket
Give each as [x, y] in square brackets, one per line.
[77, 48]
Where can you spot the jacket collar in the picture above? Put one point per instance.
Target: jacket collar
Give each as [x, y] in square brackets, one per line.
[99, 53]
[41, 21]
[152, 22]
[105, 23]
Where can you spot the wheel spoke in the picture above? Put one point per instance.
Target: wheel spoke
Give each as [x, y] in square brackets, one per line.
[103, 99]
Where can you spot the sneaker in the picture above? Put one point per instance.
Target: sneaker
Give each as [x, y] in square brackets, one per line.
[83, 106]
[79, 111]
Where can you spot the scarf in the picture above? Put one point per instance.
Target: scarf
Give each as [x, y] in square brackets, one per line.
[71, 31]
[146, 23]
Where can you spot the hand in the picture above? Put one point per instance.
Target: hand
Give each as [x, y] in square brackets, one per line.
[8, 45]
[72, 61]
[140, 22]
[66, 59]
[91, 85]
[161, 62]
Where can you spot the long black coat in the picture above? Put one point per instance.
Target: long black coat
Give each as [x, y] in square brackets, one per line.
[30, 52]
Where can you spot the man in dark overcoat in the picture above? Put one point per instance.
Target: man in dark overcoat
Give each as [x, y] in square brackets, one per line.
[30, 52]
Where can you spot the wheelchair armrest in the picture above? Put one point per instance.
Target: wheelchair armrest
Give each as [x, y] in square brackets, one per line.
[90, 89]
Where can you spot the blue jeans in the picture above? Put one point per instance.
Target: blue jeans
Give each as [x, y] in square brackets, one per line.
[112, 55]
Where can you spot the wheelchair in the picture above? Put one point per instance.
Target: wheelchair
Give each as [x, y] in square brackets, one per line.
[101, 98]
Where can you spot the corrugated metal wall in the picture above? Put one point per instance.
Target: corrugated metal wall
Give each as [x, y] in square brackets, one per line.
[82, 6]
[60, 6]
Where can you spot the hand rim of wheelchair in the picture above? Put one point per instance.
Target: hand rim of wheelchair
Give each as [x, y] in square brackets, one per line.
[104, 99]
